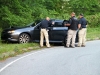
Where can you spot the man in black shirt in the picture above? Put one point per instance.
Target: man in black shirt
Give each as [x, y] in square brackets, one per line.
[72, 30]
[44, 31]
[82, 31]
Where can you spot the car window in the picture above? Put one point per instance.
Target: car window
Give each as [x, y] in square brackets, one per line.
[38, 26]
[58, 24]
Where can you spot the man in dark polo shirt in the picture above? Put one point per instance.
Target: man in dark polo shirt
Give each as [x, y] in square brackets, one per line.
[44, 31]
[82, 31]
[72, 30]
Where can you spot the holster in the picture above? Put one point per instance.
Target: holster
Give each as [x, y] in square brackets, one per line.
[80, 28]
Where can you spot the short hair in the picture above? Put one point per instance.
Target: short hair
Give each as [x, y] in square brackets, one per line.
[73, 13]
[81, 14]
[47, 18]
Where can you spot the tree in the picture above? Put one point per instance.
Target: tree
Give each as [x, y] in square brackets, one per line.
[85, 6]
[22, 12]
[14, 14]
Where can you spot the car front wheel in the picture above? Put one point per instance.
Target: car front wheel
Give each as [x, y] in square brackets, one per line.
[24, 38]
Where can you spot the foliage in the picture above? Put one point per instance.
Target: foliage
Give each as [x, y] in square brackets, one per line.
[93, 20]
[13, 14]
[22, 12]
[85, 6]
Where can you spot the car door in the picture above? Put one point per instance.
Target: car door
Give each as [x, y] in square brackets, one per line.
[36, 33]
[58, 31]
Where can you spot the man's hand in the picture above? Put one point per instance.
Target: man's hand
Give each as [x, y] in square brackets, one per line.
[53, 23]
[66, 24]
[79, 26]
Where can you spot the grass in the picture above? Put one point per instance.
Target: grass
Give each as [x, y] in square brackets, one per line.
[9, 50]
[93, 33]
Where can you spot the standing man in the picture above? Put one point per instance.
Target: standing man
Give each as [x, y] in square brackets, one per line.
[82, 30]
[44, 31]
[72, 30]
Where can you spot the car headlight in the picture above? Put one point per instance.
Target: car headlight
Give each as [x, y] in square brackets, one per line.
[12, 31]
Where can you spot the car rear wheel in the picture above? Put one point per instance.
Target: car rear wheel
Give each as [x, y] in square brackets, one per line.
[24, 38]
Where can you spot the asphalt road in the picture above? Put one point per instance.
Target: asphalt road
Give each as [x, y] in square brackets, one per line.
[57, 61]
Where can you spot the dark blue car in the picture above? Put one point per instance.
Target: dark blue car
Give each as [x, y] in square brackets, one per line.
[31, 33]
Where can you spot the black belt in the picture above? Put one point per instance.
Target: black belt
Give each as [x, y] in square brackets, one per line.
[83, 27]
[43, 28]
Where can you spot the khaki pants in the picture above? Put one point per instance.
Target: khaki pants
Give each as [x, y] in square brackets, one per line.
[82, 36]
[71, 35]
[44, 33]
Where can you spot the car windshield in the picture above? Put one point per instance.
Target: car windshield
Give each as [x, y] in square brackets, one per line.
[34, 23]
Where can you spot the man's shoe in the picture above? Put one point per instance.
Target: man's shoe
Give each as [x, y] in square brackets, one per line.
[41, 46]
[67, 46]
[48, 46]
[83, 45]
[78, 46]
[72, 46]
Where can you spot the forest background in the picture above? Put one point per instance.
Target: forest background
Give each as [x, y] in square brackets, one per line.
[23, 12]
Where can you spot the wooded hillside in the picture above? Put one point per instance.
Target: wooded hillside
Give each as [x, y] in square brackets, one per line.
[22, 12]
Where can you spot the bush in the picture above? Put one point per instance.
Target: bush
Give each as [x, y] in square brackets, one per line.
[15, 15]
[93, 20]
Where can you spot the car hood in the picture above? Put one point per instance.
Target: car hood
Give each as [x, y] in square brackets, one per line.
[15, 28]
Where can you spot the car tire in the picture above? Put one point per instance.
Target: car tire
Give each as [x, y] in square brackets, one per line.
[24, 38]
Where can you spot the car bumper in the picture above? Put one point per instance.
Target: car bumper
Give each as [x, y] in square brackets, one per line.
[9, 37]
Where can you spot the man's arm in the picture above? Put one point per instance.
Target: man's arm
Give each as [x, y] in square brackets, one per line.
[68, 24]
[79, 26]
[51, 23]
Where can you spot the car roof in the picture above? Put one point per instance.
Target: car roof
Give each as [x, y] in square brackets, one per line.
[57, 20]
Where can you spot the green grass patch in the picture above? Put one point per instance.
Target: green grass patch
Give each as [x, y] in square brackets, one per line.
[9, 50]
[93, 33]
